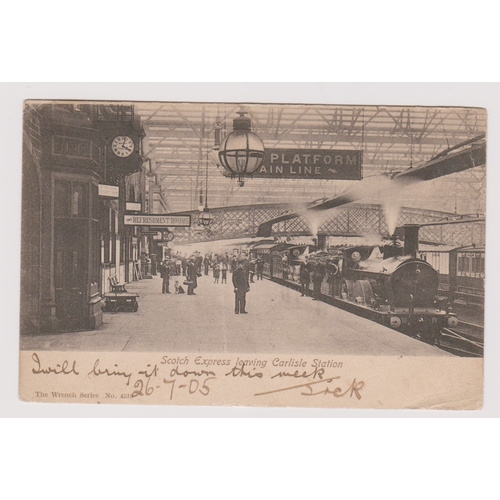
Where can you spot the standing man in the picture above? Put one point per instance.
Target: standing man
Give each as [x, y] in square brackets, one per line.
[284, 263]
[304, 278]
[252, 270]
[199, 263]
[191, 276]
[223, 268]
[165, 275]
[241, 287]
[246, 266]
[317, 277]
[260, 268]
[148, 265]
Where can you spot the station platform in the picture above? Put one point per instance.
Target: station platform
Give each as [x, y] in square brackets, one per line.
[279, 320]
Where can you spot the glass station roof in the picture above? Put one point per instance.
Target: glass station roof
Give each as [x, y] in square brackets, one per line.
[179, 137]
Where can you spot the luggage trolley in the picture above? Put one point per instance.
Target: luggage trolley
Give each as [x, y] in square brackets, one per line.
[119, 298]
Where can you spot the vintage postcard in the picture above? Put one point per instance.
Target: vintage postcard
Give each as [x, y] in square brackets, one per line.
[253, 254]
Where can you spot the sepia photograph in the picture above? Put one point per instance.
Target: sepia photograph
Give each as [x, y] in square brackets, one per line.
[216, 253]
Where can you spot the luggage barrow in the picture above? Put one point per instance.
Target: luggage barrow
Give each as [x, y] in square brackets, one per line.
[121, 301]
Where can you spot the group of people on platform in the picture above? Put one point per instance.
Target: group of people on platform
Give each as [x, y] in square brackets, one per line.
[169, 267]
[315, 271]
[243, 271]
[219, 265]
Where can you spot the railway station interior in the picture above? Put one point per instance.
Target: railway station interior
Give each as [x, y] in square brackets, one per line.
[388, 202]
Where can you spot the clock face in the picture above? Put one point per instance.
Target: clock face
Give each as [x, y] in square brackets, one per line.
[122, 146]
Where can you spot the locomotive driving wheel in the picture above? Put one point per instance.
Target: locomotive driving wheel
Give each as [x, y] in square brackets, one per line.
[346, 289]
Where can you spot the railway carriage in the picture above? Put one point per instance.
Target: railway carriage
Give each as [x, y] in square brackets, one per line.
[267, 251]
[461, 272]
[467, 274]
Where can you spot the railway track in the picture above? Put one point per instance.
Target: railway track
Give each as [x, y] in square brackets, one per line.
[461, 343]
[471, 331]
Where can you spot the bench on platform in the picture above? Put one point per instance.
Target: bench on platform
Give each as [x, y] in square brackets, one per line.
[116, 287]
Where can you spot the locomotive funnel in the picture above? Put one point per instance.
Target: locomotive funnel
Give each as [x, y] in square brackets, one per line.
[411, 239]
[322, 242]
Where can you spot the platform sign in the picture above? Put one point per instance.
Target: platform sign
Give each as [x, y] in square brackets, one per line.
[311, 164]
[133, 207]
[163, 236]
[108, 191]
[158, 220]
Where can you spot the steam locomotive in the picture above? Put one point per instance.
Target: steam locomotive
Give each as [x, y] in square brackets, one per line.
[386, 283]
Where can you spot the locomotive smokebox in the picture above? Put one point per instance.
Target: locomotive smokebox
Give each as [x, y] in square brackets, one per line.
[322, 242]
[411, 239]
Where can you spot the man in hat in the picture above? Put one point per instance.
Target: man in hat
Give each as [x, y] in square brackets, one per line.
[246, 265]
[260, 268]
[191, 275]
[165, 275]
[198, 262]
[252, 270]
[241, 287]
[284, 263]
[317, 278]
[304, 277]
[206, 263]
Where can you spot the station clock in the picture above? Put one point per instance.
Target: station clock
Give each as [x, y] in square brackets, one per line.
[122, 146]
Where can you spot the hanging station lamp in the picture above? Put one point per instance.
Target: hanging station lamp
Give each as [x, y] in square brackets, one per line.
[241, 153]
[206, 217]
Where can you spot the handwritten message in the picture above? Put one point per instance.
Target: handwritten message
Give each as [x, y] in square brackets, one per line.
[201, 379]
[173, 378]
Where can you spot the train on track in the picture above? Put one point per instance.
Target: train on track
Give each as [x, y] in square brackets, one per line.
[386, 283]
